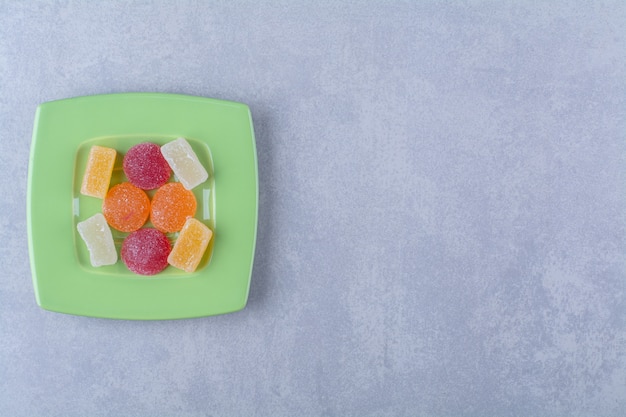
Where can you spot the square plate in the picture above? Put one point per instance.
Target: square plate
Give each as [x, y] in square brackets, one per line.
[222, 135]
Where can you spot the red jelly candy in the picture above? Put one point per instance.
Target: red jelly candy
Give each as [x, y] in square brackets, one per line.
[145, 251]
[145, 166]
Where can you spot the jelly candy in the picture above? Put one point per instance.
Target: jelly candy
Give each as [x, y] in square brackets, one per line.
[98, 171]
[171, 205]
[145, 166]
[99, 240]
[145, 251]
[184, 162]
[126, 207]
[190, 245]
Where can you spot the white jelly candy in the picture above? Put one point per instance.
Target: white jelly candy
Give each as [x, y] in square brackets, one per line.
[184, 162]
[97, 236]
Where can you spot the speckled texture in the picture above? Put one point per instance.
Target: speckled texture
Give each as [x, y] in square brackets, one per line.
[126, 207]
[145, 167]
[145, 251]
[442, 209]
[170, 207]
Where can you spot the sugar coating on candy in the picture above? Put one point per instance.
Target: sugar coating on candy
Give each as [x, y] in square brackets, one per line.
[145, 166]
[145, 251]
[98, 171]
[171, 205]
[184, 162]
[190, 245]
[97, 236]
[126, 207]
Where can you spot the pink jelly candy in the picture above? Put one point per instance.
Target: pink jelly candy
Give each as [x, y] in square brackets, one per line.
[145, 166]
[145, 251]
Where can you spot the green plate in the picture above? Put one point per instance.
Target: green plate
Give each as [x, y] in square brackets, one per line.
[222, 136]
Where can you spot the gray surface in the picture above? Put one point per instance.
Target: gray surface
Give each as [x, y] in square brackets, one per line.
[442, 209]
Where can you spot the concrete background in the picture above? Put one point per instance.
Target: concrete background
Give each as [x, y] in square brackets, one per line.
[442, 209]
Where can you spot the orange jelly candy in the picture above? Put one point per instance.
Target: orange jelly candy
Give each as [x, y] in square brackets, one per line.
[171, 206]
[126, 207]
[190, 245]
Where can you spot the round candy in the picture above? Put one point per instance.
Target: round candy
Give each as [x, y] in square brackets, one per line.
[172, 204]
[126, 207]
[145, 251]
[145, 166]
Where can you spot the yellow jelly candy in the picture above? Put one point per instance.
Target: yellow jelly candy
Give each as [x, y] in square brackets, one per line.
[190, 245]
[98, 172]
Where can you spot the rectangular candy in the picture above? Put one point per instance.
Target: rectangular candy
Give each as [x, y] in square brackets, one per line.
[98, 172]
[190, 245]
[97, 236]
[184, 162]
